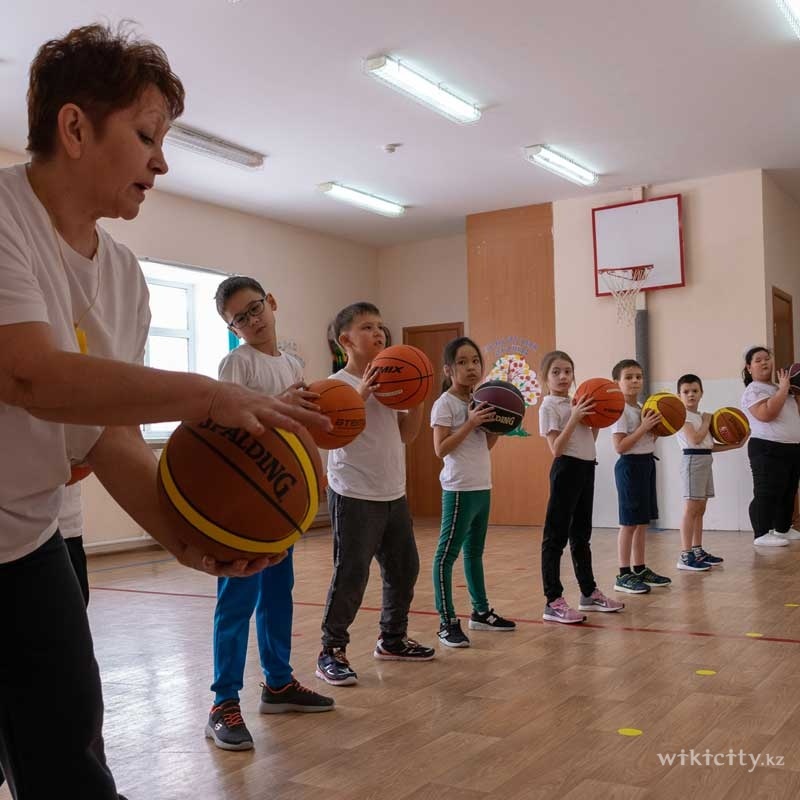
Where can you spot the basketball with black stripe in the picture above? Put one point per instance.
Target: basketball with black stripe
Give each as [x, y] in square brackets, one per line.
[405, 376]
[233, 494]
[507, 402]
[344, 406]
[609, 402]
[794, 379]
[729, 425]
[672, 410]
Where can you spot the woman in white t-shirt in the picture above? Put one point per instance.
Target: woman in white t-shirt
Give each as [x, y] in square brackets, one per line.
[466, 479]
[774, 448]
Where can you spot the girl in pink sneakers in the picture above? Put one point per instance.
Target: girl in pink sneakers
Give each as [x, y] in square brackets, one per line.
[569, 510]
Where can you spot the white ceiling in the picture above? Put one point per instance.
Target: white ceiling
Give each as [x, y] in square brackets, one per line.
[642, 91]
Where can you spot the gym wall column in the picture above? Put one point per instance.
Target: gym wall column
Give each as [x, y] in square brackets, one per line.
[511, 294]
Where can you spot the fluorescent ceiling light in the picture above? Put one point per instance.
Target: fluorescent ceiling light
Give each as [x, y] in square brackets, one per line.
[368, 201]
[791, 8]
[205, 144]
[560, 165]
[400, 77]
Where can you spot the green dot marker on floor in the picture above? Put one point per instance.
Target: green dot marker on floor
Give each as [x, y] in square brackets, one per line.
[705, 672]
[754, 635]
[629, 732]
[792, 605]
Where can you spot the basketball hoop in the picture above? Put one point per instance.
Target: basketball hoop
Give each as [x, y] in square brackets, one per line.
[625, 283]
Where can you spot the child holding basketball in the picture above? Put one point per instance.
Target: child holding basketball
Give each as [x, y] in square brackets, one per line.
[773, 449]
[569, 509]
[466, 480]
[258, 364]
[369, 511]
[697, 475]
[635, 476]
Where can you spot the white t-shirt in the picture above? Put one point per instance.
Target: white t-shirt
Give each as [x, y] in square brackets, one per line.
[373, 465]
[70, 518]
[258, 371]
[784, 428]
[630, 420]
[696, 421]
[34, 288]
[554, 413]
[467, 468]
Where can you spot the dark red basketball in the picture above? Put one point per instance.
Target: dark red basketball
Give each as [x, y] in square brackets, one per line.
[344, 406]
[794, 379]
[609, 402]
[405, 376]
[507, 402]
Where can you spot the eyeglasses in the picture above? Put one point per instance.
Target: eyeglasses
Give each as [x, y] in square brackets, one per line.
[255, 309]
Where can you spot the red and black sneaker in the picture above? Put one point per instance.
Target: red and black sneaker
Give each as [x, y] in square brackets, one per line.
[403, 650]
[226, 727]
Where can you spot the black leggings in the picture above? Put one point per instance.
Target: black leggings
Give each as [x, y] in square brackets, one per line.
[776, 473]
[51, 704]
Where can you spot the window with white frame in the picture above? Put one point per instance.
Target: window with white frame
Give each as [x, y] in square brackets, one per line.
[186, 333]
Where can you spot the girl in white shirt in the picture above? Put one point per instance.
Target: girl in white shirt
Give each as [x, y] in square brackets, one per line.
[773, 449]
[569, 509]
[466, 478]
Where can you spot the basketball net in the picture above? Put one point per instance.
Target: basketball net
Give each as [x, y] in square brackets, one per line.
[625, 283]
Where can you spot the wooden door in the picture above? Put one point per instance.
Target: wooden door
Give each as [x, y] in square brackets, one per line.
[512, 309]
[422, 465]
[782, 328]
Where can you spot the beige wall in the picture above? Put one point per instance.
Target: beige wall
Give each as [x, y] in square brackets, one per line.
[310, 274]
[782, 253]
[423, 283]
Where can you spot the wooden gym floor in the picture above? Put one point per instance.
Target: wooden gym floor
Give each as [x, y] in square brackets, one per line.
[529, 714]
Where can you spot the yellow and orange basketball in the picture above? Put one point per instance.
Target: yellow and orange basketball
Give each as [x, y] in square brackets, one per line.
[344, 406]
[729, 425]
[237, 495]
[672, 410]
[405, 376]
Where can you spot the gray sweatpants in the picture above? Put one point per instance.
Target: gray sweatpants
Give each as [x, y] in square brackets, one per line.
[363, 530]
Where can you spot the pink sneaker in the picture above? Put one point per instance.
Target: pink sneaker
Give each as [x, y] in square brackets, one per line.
[597, 601]
[559, 611]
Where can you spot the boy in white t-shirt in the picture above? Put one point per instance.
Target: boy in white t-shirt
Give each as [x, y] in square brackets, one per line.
[369, 511]
[258, 364]
[635, 476]
[697, 444]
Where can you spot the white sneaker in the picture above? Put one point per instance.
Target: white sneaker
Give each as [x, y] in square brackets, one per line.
[770, 540]
[792, 535]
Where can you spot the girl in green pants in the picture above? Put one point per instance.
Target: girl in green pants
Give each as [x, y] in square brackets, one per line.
[466, 492]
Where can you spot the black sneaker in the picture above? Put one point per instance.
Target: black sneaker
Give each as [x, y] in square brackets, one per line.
[451, 635]
[292, 697]
[490, 622]
[334, 668]
[226, 727]
[647, 576]
[404, 650]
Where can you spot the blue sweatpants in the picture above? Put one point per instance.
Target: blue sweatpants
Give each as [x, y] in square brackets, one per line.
[269, 593]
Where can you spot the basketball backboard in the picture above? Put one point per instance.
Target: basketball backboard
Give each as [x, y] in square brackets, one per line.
[640, 232]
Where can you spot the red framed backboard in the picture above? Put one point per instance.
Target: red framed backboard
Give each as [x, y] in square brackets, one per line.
[640, 232]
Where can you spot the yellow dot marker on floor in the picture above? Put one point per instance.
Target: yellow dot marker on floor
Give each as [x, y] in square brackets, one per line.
[629, 732]
[792, 605]
[705, 672]
[754, 635]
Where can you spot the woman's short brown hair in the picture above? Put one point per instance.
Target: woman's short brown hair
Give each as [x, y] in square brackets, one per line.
[101, 71]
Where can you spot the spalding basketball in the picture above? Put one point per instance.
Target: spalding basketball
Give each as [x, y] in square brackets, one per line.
[405, 376]
[240, 495]
[794, 379]
[672, 410]
[729, 425]
[344, 406]
[77, 472]
[609, 402]
[507, 402]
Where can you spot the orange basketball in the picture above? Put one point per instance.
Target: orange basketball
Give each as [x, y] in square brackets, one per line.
[672, 410]
[234, 494]
[729, 425]
[405, 375]
[344, 406]
[609, 402]
[78, 472]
